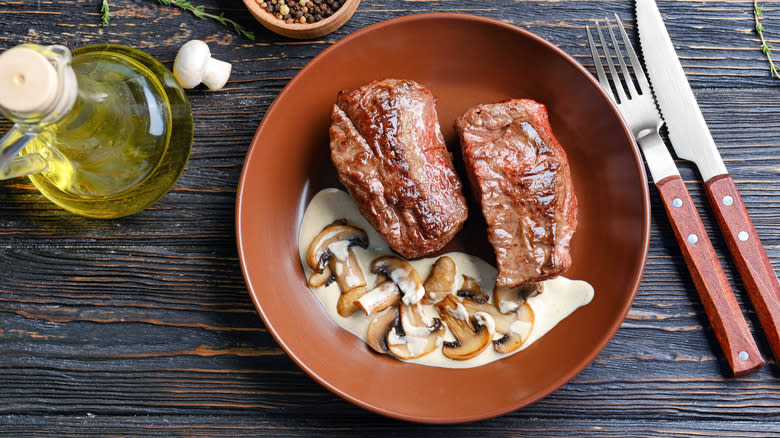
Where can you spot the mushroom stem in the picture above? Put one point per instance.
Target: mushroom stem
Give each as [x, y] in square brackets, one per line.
[382, 296]
[347, 272]
[347, 303]
[351, 281]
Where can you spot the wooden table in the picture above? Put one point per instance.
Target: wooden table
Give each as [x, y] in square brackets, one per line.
[143, 325]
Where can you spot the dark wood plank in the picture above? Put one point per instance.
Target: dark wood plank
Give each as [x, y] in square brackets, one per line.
[143, 325]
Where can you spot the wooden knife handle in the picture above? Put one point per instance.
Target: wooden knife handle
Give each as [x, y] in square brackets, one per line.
[749, 255]
[710, 280]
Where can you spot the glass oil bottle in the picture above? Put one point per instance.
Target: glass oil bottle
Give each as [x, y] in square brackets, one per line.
[104, 131]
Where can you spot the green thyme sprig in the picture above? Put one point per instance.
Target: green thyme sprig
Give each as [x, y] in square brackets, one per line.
[766, 48]
[106, 13]
[198, 11]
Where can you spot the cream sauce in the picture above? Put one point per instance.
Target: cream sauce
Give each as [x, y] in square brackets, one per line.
[559, 299]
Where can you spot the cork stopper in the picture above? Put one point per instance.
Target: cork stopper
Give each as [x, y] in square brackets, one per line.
[28, 81]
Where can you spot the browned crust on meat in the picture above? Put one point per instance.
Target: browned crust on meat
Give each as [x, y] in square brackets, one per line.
[524, 188]
[387, 146]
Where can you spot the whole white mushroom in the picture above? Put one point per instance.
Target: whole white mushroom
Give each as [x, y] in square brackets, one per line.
[194, 65]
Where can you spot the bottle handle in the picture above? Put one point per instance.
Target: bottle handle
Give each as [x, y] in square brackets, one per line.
[11, 163]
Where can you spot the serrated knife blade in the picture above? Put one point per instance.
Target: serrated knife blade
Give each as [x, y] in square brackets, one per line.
[688, 131]
[692, 141]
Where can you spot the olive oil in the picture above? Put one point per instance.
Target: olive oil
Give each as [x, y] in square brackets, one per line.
[125, 141]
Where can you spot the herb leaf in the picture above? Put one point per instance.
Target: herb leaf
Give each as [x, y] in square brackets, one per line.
[766, 48]
[106, 13]
[198, 11]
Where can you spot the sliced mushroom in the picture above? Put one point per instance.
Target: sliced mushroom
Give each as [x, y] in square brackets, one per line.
[471, 289]
[331, 250]
[411, 337]
[335, 239]
[440, 281]
[319, 279]
[379, 326]
[470, 339]
[348, 273]
[347, 303]
[401, 273]
[382, 296]
[510, 330]
[508, 299]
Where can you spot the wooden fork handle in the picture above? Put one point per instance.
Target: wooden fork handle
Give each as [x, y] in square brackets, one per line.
[710, 280]
[749, 255]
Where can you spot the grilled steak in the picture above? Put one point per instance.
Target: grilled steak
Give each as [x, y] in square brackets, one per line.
[520, 176]
[387, 146]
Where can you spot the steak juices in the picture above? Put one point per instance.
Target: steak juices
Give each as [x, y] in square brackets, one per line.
[387, 146]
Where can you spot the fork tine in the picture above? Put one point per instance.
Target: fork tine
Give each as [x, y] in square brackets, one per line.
[621, 60]
[644, 85]
[599, 67]
[613, 74]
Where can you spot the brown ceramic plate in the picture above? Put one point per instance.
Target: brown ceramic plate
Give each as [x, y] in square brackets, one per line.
[464, 60]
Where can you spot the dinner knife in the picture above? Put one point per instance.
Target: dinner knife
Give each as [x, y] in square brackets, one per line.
[692, 141]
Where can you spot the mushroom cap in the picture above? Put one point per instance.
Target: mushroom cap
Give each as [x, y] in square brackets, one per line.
[471, 339]
[320, 250]
[508, 299]
[441, 279]
[472, 290]
[189, 67]
[410, 337]
[379, 326]
[515, 327]
[403, 274]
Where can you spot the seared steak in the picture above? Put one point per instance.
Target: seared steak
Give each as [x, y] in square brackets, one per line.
[386, 143]
[520, 176]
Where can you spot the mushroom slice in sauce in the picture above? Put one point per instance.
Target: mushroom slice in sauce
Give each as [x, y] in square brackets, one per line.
[471, 289]
[401, 273]
[319, 279]
[508, 299]
[331, 250]
[411, 337]
[440, 281]
[471, 339]
[510, 330]
[379, 326]
[335, 239]
[382, 296]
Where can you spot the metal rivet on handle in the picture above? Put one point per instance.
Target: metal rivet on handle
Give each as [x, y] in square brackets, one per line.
[692, 238]
[743, 355]
[677, 202]
[743, 236]
[728, 200]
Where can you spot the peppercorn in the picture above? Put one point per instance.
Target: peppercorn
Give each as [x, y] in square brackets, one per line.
[301, 11]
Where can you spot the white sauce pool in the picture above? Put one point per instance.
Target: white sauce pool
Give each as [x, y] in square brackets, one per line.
[560, 298]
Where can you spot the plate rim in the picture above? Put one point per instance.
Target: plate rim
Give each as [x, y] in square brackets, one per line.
[566, 378]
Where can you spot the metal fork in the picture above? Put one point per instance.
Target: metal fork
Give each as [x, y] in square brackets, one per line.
[640, 113]
[637, 106]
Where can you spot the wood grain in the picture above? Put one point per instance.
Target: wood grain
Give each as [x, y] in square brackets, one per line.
[143, 326]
